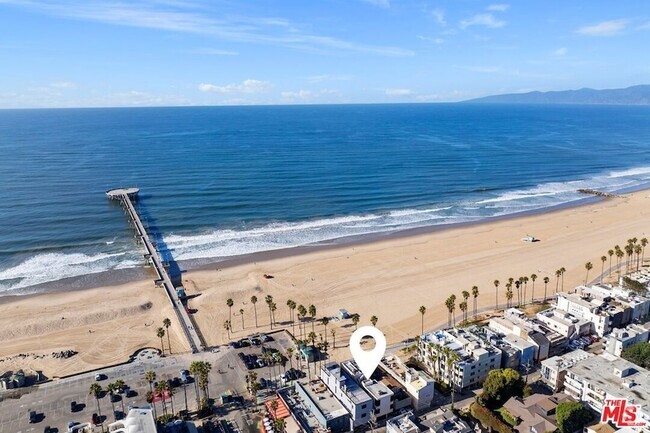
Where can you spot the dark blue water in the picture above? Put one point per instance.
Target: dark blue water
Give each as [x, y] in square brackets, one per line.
[225, 181]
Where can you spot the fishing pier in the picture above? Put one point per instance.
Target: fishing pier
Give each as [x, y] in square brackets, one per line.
[126, 197]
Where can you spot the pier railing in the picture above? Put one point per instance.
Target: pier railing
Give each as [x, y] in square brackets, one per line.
[126, 196]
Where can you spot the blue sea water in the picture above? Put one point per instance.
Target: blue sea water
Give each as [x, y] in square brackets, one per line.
[219, 182]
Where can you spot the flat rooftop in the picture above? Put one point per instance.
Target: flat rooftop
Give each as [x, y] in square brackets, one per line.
[323, 398]
[600, 371]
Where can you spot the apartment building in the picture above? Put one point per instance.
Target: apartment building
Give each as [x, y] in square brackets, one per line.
[620, 339]
[353, 398]
[477, 356]
[554, 369]
[597, 378]
[418, 384]
[382, 395]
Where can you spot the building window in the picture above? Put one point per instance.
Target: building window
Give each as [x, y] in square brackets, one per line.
[363, 415]
[363, 406]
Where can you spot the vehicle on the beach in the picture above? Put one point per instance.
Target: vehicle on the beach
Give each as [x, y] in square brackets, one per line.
[529, 238]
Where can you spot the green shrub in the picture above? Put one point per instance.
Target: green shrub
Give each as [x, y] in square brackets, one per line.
[488, 419]
[571, 416]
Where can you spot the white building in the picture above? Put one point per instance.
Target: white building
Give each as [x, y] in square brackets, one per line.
[554, 369]
[402, 424]
[563, 323]
[382, 396]
[136, 421]
[353, 398]
[444, 421]
[597, 378]
[590, 309]
[419, 385]
[620, 339]
[477, 356]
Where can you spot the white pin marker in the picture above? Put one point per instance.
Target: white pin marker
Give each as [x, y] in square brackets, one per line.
[367, 360]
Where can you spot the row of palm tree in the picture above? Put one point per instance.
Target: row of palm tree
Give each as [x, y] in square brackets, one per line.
[443, 359]
[160, 333]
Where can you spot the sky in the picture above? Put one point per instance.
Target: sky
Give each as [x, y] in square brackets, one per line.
[98, 53]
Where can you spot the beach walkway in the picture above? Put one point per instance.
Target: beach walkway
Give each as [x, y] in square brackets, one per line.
[126, 196]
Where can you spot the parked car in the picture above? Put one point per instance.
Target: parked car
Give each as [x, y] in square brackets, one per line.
[235, 344]
[100, 376]
[71, 425]
[260, 363]
[263, 382]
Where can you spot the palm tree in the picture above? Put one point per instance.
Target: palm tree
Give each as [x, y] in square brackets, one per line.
[450, 303]
[619, 256]
[644, 242]
[292, 308]
[517, 285]
[533, 277]
[452, 358]
[562, 271]
[557, 279]
[546, 280]
[289, 355]
[273, 308]
[160, 391]
[373, 320]
[463, 308]
[111, 388]
[170, 392]
[195, 370]
[325, 321]
[254, 302]
[167, 323]
[638, 249]
[475, 296]
[269, 301]
[603, 259]
[227, 326]
[610, 253]
[355, 319]
[525, 281]
[333, 332]
[302, 313]
[496, 286]
[241, 313]
[160, 332]
[150, 376]
[119, 383]
[96, 391]
[509, 295]
[229, 303]
[279, 425]
[588, 267]
[312, 313]
[422, 310]
[629, 250]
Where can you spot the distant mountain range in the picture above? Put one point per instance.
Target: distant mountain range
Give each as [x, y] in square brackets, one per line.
[635, 95]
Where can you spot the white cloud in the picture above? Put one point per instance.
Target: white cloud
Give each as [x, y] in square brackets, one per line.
[439, 16]
[560, 51]
[189, 17]
[300, 94]
[499, 7]
[485, 20]
[436, 41]
[605, 28]
[379, 3]
[63, 85]
[247, 86]
[398, 92]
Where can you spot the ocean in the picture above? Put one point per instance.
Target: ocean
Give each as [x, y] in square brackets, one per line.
[220, 182]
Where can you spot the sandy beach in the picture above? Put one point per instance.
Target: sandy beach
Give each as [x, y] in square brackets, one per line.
[389, 278]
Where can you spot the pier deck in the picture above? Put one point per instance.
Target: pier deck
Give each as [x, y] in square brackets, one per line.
[126, 196]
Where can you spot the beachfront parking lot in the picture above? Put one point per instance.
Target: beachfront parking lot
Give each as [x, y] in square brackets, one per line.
[52, 400]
